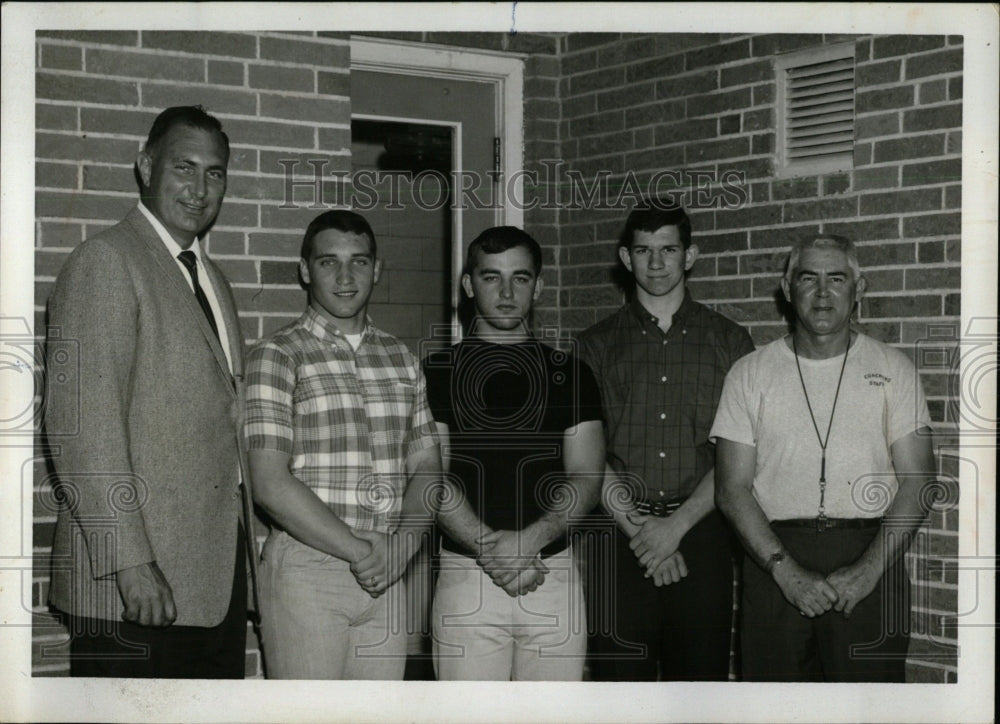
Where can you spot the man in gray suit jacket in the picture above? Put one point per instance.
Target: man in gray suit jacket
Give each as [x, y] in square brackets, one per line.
[150, 550]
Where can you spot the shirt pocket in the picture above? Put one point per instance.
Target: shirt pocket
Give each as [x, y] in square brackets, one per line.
[623, 386]
[389, 403]
[325, 392]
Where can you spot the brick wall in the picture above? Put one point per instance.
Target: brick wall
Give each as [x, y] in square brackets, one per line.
[594, 103]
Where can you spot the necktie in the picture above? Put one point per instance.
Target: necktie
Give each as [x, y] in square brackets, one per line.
[191, 262]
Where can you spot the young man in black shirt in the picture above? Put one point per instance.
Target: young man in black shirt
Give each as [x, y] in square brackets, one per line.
[522, 441]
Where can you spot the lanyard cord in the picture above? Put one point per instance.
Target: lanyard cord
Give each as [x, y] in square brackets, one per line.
[822, 441]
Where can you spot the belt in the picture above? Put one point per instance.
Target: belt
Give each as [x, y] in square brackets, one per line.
[822, 524]
[659, 508]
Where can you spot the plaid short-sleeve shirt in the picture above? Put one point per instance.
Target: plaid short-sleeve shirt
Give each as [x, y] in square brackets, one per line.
[660, 391]
[348, 419]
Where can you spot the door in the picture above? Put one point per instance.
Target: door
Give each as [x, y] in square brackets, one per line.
[423, 160]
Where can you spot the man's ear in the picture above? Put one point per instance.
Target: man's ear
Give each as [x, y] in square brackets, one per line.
[304, 271]
[860, 287]
[538, 289]
[145, 165]
[467, 286]
[377, 272]
[690, 256]
[786, 289]
[623, 254]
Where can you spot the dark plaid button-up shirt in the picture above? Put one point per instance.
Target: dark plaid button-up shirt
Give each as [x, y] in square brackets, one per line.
[660, 391]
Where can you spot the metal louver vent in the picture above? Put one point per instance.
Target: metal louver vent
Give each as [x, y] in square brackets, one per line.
[816, 105]
[821, 109]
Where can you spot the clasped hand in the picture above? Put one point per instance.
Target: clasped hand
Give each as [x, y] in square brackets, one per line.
[853, 584]
[515, 570]
[383, 565]
[655, 545]
[807, 590]
[814, 595]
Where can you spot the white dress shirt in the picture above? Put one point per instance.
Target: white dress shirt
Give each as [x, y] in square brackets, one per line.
[203, 278]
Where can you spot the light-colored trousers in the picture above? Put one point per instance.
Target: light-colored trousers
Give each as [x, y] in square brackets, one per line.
[481, 633]
[318, 623]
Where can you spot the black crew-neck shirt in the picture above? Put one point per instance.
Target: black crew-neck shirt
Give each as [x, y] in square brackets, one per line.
[507, 407]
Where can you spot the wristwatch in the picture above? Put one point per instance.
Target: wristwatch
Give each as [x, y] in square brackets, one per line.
[773, 560]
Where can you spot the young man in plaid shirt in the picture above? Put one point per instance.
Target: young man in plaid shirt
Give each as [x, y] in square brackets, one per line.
[342, 452]
[661, 361]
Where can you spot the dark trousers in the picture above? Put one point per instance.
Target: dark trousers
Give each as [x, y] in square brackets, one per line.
[780, 644]
[122, 649]
[679, 632]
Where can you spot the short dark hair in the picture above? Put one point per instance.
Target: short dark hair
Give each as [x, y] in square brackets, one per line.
[340, 220]
[654, 214]
[499, 239]
[192, 116]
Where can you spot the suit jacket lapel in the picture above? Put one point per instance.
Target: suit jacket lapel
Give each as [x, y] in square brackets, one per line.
[175, 279]
[227, 307]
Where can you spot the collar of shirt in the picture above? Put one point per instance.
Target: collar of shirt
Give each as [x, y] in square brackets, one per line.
[172, 246]
[645, 317]
[327, 331]
[476, 339]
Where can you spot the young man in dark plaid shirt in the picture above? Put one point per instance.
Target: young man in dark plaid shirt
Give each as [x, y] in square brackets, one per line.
[661, 361]
[342, 450]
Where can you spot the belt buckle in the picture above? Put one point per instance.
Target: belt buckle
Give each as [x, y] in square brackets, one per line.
[821, 524]
[655, 508]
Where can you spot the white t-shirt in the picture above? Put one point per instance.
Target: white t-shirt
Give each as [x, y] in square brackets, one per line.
[880, 401]
[354, 340]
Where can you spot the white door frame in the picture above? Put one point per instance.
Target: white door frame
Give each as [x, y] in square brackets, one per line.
[504, 71]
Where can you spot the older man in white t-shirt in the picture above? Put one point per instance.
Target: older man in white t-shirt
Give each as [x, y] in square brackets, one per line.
[824, 451]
